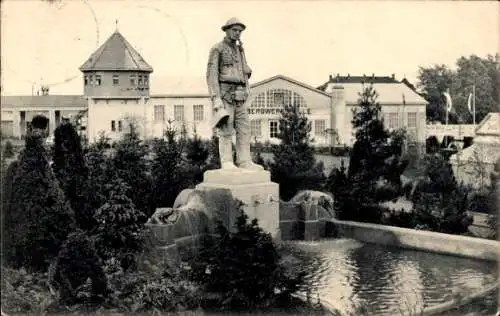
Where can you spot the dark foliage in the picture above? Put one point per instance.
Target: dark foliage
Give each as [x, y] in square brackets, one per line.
[375, 166]
[8, 150]
[432, 145]
[129, 164]
[8, 212]
[440, 203]
[294, 165]
[42, 218]
[242, 269]
[39, 122]
[77, 272]
[213, 154]
[72, 173]
[197, 153]
[119, 232]
[170, 174]
[100, 173]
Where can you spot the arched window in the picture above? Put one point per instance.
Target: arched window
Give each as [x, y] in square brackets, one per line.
[275, 98]
[259, 101]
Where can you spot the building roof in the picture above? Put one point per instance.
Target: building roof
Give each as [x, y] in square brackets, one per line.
[389, 90]
[20, 101]
[116, 54]
[289, 80]
[357, 79]
[490, 125]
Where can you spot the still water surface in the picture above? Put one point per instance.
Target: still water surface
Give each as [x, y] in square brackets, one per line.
[388, 280]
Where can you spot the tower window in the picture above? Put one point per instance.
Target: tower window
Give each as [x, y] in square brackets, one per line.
[140, 80]
[116, 80]
[146, 80]
[132, 80]
[85, 80]
[98, 80]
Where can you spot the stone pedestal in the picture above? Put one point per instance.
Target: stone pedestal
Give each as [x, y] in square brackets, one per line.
[255, 189]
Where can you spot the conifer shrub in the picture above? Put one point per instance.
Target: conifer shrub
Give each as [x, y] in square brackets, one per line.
[170, 173]
[130, 164]
[71, 172]
[42, 218]
[77, 272]
[241, 270]
[294, 165]
[375, 165]
[119, 232]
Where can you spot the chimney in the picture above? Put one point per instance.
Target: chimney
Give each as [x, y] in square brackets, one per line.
[393, 76]
[330, 78]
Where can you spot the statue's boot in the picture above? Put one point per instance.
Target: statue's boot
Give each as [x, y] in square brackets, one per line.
[243, 154]
[226, 152]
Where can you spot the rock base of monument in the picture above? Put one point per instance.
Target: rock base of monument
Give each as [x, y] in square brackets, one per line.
[259, 195]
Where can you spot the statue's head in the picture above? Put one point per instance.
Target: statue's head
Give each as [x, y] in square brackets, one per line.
[233, 28]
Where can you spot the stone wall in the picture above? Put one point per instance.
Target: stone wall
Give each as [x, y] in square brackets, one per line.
[471, 247]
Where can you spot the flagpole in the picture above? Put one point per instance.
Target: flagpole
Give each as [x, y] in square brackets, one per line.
[474, 104]
[446, 119]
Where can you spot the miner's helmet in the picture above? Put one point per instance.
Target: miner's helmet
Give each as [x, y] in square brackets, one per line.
[220, 118]
[231, 22]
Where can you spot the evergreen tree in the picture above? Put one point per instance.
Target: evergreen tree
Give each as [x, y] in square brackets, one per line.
[8, 213]
[119, 232]
[71, 171]
[376, 162]
[196, 151]
[99, 174]
[244, 268]
[43, 217]
[197, 154]
[130, 164]
[294, 165]
[167, 173]
[440, 203]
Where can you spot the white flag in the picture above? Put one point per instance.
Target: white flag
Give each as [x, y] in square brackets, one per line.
[448, 101]
[469, 102]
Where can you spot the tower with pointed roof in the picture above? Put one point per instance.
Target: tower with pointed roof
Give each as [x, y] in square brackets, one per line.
[116, 69]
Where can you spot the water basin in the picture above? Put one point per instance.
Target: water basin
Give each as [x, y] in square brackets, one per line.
[388, 280]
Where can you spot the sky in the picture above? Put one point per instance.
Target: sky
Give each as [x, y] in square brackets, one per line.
[44, 42]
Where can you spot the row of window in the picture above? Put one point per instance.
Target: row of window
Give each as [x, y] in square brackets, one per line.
[277, 98]
[198, 113]
[96, 80]
[391, 120]
[256, 128]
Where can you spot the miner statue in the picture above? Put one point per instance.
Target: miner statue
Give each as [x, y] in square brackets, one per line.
[227, 79]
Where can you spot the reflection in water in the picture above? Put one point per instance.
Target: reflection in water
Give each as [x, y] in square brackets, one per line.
[389, 281]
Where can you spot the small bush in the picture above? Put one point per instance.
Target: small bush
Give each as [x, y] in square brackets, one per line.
[25, 293]
[119, 232]
[77, 272]
[8, 150]
[155, 286]
[243, 270]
